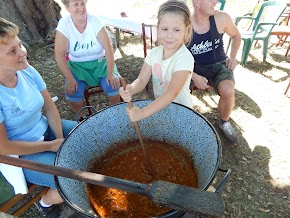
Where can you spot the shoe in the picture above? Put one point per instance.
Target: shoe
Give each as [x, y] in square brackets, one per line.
[49, 212]
[229, 131]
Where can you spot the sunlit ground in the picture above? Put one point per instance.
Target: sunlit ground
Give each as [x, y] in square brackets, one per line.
[266, 122]
[272, 128]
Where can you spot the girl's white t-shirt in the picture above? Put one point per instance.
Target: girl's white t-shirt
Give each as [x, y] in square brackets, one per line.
[163, 70]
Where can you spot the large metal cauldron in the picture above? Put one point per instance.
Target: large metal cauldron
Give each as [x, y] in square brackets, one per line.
[174, 124]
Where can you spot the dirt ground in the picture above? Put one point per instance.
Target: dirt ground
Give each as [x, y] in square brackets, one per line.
[259, 184]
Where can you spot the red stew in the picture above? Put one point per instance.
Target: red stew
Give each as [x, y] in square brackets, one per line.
[171, 163]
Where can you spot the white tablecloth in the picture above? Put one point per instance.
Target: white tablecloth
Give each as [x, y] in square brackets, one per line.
[132, 24]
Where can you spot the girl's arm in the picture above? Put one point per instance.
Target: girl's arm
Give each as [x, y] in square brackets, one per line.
[176, 84]
[138, 85]
[142, 80]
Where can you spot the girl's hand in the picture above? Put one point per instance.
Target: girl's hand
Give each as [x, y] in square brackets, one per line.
[135, 114]
[113, 80]
[126, 94]
[56, 144]
[71, 86]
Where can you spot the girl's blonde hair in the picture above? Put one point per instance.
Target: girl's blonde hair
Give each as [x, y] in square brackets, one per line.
[8, 30]
[178, 7]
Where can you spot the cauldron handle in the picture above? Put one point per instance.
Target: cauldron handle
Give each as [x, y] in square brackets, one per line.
[224, 179]
[89, 108]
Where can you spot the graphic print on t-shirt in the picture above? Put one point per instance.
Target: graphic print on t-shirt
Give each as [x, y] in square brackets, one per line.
[14, 111]
[204, 47]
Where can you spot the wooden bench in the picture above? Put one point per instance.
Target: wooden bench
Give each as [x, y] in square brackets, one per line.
[16, 205]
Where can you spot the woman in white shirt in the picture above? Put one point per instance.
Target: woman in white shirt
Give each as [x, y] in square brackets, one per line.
[90, 54]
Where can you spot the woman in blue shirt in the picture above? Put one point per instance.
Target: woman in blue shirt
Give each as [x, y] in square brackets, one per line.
[30, 124]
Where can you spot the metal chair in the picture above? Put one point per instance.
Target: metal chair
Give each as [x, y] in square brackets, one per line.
[283, 29]
[93, 90]
[150, 26]
[90, 91]
[263, 23]
[282, 32]
[143, 35]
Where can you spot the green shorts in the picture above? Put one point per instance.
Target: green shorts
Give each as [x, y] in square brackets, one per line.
[214, 73]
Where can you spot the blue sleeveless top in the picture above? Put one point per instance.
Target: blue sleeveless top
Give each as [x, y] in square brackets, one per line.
[201, 47]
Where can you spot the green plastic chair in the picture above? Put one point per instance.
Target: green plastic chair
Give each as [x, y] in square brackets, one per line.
[262, 25]
[222, 4]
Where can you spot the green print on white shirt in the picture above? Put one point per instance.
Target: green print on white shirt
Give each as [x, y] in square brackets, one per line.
[87, 46]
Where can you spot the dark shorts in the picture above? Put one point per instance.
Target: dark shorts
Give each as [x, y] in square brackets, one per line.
[215, 73]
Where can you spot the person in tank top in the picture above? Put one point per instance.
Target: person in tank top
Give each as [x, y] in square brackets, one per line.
[212, 67]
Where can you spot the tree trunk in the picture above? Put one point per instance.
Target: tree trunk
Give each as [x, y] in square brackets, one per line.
[36, 19]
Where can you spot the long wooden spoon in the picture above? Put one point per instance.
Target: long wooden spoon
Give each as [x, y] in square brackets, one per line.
[136, 125]
[171, 195]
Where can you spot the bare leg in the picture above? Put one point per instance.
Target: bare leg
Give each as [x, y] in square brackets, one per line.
[225, 108]
[114, 99]
[76, 106]
[227, 99]
[52, 197]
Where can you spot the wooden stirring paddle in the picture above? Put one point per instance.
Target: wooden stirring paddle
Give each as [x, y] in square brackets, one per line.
[171, 195]
[137, 129]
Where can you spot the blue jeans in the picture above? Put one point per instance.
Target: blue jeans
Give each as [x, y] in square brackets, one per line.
[44, 179]
[79, 93]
